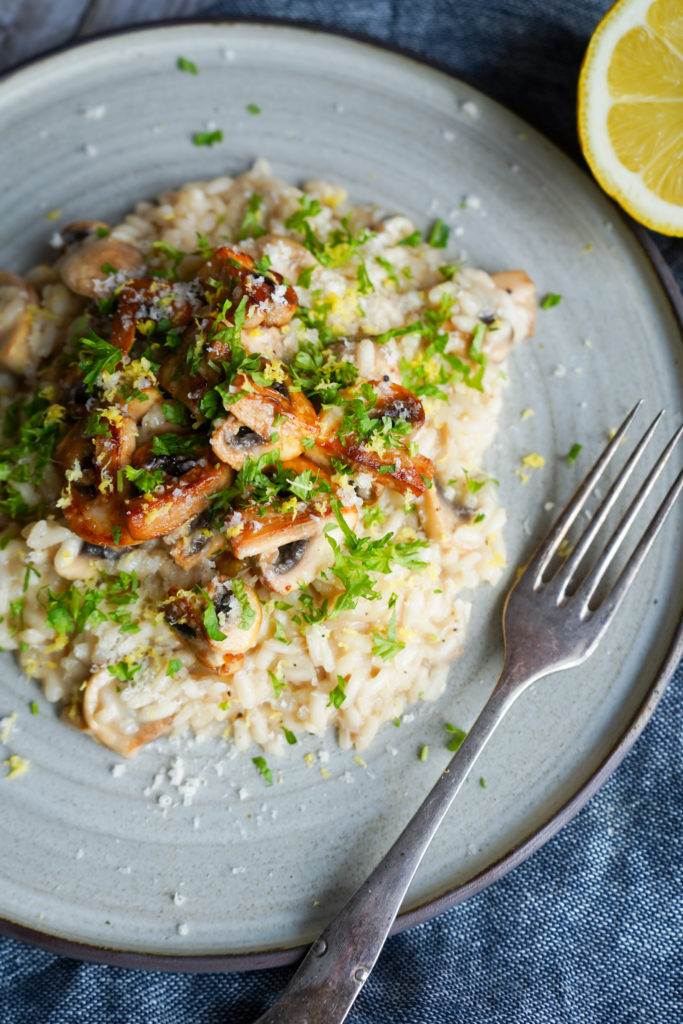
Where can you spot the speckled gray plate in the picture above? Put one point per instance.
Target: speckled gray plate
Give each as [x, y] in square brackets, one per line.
[208, 867]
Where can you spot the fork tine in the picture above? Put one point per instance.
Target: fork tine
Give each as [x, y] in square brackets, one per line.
[569, 568]
[610, 605]
[592, 581]
[540, 561]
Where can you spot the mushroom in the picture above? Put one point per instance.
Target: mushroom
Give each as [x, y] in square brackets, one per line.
[394, 467]
[233, 442]
[188, 482]
[16, 298]
[87, 263]
[91, 502]
[112, 722]
[290, 544]
[195, 542]
[439, 516]
[82, 229]
[148, 299]
[75, 560]
[235, 628]
[270, 301]
[275, 408]
[522, 291]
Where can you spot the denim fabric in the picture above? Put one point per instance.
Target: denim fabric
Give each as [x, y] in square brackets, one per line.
[590, 929]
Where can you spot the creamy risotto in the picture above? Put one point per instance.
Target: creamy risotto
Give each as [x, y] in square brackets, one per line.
[240, 470]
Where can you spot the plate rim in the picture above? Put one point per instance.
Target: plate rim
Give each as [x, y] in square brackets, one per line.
[426, 911]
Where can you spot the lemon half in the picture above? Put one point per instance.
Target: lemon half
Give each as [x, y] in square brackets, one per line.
[631, 110]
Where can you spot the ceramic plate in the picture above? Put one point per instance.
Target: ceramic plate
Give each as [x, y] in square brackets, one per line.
[183, 857]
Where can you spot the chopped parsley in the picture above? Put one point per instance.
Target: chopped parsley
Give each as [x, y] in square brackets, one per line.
[340, 244]
[248, 613]
[207, 138]
[365, 285]
[337, 696]
[304, 278]
[210, 619]
[438, 236]
[253, 109]
[289, 736]
[146, 480]
[414, 239]
[34, 707]
[424, 753]
[175, 444]
[251, 226]
[175, 413]
[573, 453]
[183, 64]
[174, 666]
[387, 647]
[550, 300]
[124, 670]
[262, 765]
[278, 684]
[458, 736]
[95, 357]
[475, 485]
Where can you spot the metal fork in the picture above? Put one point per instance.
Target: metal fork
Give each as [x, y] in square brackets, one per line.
[552, 620]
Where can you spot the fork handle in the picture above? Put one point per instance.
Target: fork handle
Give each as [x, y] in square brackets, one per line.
[339, 962]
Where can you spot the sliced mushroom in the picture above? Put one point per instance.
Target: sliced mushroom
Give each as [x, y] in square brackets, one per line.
[270, 301]
[234, 442]
[277, 408]
[522, 291]
[394, 467]
[195, 542]
[92, 502]
[184, 493]
[86, 264]
[112, 722]
[297, 562]
[440, 517]
[16, 298]
[185, 612]
[82, 229]
[75, 560]
[146, 300]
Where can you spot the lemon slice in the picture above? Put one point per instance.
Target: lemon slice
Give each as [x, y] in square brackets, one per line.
[631, 110]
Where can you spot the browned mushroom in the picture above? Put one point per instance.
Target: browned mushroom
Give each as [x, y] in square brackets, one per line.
[522, 291]
[270, 301]
[113, 722]
[237, 620]
[146, 300]
[394, 467]
[196, 541]
[16, 298]
[187, 481]
[92, 499]
[439, 516]
[88, 262]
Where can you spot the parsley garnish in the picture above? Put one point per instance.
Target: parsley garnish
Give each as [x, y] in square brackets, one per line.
[458, 736]
[174, 666]
[304, 278]
[413, 239]
[253, 109]
[337, 696]
[251, 224]
[278, 684]
[438, 236]
[365, 285]
[210, 619]
[389, 268]
[124, 670]
[387, 647]
[550, 300]
[424, 753]
[174, 412]
[265, 771]
[289, 736]
[183, 64]
[248, 613]
[573, 453]
[96, 356]
[175, 444]
[145, 480]
[207, 138]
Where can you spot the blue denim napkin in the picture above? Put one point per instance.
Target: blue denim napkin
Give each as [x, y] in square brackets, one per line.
[590, 929]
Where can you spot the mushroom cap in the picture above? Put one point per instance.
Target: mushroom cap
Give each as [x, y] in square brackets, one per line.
[112, 722]
[184, 612]
[81, 265]
[16, 298]
[295, 563]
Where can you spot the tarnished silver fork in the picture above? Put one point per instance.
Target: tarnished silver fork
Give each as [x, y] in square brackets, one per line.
[552, 620]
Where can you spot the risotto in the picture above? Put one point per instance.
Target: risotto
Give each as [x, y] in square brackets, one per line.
[240, 469]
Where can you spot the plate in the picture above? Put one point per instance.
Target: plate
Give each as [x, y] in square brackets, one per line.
[183, 858]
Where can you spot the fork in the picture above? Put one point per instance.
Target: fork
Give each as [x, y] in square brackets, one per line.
[553, 619]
